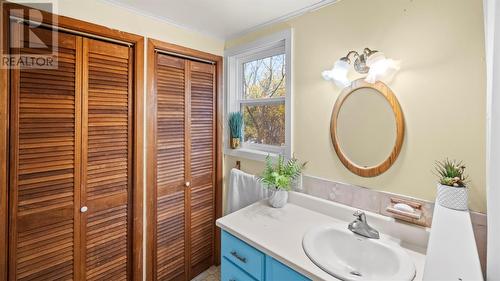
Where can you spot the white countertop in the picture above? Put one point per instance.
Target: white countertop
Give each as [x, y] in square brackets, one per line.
[278, 232]
[452, 252]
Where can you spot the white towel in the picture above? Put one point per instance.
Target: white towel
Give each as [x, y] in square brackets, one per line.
[244, 189]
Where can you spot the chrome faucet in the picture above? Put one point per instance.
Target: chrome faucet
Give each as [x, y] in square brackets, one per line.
[361, 227]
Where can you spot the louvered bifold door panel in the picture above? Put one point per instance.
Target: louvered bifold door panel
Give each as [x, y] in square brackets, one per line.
[44, 165]
[107, 160]
[170, 162]
[202, 136]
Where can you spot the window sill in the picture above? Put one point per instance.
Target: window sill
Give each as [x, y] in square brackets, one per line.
[251, 154]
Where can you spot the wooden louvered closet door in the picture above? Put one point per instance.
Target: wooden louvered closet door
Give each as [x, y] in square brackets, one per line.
[45, 165]
[107, 160]
[71, 147]
[171, 168]
[202, 159]
[184, 210]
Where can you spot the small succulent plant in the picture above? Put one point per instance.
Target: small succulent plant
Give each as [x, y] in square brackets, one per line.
[235, 124]
[451, 173]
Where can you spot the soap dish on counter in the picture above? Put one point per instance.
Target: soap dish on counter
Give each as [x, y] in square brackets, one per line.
[407, 210]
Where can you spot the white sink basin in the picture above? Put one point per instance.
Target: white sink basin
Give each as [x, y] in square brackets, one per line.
[348, 256]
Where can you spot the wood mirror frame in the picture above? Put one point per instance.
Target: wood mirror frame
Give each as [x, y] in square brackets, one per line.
[387, 93]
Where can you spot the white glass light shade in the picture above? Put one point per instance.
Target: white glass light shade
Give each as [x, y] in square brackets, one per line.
[338, 74]
[381, 68]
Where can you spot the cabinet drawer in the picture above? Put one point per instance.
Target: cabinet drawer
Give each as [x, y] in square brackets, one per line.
[230, 272]
[276, 271]
[243, 255]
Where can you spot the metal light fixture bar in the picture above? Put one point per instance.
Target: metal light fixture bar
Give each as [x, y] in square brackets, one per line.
[359, 59]
[370, 62]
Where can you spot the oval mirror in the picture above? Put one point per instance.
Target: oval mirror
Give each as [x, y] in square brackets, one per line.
[367, 128]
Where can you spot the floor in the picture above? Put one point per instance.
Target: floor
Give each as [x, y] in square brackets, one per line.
[211, 274]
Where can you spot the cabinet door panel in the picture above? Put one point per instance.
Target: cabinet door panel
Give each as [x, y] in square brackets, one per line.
[275, 271]
[107, 157]
[170, 148]
[44, 164]
[230, 272]
[202, 147]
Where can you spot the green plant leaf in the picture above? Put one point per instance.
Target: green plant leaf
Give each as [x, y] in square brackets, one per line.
[281, 174]
[235, 124]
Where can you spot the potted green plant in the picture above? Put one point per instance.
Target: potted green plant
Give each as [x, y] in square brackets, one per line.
[452, 191]
[235, 128]
[279, 177]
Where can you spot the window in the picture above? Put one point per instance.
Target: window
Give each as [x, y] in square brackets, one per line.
[263, 101]
[259, 86]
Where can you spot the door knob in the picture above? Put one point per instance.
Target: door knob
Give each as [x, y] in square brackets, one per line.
[187, 184]
[83, 209]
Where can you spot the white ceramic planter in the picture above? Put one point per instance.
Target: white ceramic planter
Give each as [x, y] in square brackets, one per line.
[278, 198]
[453, 197]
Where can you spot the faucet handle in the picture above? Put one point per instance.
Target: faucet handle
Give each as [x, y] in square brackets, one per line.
[360, 215]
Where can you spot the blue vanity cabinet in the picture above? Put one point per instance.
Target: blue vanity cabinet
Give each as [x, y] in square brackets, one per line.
[242, 262]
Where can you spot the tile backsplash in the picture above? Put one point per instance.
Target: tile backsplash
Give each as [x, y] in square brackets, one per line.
[364, 198]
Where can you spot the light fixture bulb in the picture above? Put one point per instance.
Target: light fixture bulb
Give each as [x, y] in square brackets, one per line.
[338, 74]
[381, 68]
[327, 75]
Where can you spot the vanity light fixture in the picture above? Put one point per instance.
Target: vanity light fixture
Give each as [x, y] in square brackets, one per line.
[370, 62]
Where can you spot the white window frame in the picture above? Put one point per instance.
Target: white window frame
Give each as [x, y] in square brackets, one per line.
[277, 43]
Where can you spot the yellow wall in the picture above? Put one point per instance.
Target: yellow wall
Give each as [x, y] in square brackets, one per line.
[441, 87]
[124, 19]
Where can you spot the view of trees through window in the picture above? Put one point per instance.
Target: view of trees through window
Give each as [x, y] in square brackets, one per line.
[264, 82]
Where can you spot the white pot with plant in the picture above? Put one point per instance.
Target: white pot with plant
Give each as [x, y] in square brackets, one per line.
[278, 178]
[452, 191]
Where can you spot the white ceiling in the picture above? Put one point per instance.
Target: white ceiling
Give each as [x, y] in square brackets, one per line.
[223, 19]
